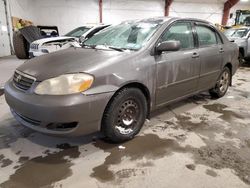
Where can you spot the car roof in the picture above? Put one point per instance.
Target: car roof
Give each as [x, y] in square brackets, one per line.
[95, 25]
[162, 20]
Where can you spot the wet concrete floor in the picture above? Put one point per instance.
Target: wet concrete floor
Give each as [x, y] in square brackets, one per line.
[198, 142]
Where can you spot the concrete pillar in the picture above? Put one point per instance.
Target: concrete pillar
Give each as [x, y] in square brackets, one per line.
[167, 6]
[100, 10]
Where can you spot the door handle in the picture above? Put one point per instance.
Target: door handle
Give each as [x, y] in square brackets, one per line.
[222, 50]
[195, 55]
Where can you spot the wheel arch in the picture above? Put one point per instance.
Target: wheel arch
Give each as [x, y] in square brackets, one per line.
[138, 85]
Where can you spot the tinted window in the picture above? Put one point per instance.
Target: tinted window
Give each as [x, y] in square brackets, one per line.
[206, 36]
[78, 32]
[180, 32]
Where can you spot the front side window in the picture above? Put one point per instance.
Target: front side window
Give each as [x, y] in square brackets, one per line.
[78, 32]
[180, 32]
[132, 36]
[206, 36]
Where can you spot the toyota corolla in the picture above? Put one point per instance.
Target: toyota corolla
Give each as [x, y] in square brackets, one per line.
[120, 76]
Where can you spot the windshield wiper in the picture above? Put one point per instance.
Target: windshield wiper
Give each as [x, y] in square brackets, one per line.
[115, 48]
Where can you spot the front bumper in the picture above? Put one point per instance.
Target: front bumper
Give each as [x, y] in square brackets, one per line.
[40, 112]
[36, 53]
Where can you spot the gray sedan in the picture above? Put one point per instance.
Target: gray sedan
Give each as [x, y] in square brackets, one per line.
[241, 36]
[120, 76]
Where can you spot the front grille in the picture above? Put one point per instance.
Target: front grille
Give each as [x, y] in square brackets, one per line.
[49, 126]
[34, 46]
[23, 81]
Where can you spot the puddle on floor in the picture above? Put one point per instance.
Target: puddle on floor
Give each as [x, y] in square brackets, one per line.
[185, 122]
[44, 171]
[148, 146]
[211, 173]
[227, 115]
[224, 156]
[4, 162]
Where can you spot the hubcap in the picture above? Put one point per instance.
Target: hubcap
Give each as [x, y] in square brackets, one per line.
[224, 82]
[127, 117]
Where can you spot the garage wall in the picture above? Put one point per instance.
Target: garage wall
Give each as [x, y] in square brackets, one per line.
[115, 11]
[22, 9]
[242, 6]
[66, 14]
[208, 11]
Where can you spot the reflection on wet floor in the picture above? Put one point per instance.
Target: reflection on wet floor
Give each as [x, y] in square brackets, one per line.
[147, 146]
[227, 115]
[43, 171]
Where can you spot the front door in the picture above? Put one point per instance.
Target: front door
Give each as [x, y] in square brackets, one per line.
[177, 72]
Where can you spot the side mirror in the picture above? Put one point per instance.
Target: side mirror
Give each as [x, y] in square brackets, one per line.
[168, 46]
[82, 39]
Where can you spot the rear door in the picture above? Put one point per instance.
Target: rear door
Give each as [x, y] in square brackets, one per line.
[177, 72]
[210, 50]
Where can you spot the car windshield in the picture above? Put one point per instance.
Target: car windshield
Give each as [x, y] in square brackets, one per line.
[131, 36]
[78, 32]
[236, 33]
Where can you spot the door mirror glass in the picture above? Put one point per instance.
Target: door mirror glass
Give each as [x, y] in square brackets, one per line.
[81, 39]
[169, 46]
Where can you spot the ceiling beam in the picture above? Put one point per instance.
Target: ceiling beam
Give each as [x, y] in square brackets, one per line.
[226, 11]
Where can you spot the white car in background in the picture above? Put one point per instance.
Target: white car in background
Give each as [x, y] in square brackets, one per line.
[71, 39]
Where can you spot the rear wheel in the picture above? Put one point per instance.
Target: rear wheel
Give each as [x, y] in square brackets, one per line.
[125, 115]
[21, 45]
[222, 84]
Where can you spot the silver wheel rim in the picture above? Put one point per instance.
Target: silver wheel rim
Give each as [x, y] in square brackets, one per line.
[128, 116]
[224, 82]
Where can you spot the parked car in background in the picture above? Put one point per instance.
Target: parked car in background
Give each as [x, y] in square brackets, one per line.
[73, 38]
[120, 75]
[26, 35]
[241, 37]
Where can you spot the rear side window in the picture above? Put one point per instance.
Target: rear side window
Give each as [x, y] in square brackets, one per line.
[206, 36]
[182, 32]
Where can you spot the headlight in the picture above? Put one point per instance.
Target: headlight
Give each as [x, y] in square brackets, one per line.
[65, 84]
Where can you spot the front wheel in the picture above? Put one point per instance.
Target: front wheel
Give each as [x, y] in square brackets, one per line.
[222, 84]
[124, 115]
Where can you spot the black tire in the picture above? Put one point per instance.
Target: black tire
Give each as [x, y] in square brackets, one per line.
[21, 45]
[124, 115]
[222, 84]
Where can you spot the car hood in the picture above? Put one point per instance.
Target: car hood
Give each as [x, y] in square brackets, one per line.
[52, 39]
[71, 60]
